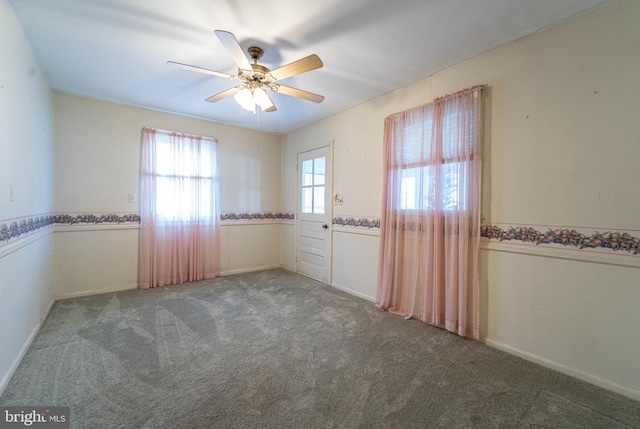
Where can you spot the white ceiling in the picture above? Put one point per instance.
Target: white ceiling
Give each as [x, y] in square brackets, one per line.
[116, 50]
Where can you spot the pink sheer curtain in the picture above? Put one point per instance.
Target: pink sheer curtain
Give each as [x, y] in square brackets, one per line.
[179, 209]
[430, 230]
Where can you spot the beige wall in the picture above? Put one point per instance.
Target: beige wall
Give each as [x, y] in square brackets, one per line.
[26, 146]
[97, 158]
[561, 150]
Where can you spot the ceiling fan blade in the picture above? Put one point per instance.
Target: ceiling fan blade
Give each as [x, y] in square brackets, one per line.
[226, 93]
[303, 65]
[201, 70]
[287, 90]
[232, 46]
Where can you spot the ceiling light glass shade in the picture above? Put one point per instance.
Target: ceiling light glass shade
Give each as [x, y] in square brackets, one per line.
[245, 99]
[262, 99]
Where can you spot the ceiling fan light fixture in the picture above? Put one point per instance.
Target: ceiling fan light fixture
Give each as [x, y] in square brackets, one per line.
[245, 99]
[262, 99]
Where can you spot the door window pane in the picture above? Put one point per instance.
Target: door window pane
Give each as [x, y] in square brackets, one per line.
[318, 171]
[307, 172]
[307, 200]
[318, 199]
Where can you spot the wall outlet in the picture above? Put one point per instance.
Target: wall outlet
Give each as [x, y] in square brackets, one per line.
[11, 196]
[337, 199]
[133, 198]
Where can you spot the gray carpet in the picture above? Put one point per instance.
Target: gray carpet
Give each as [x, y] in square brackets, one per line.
[272, 349]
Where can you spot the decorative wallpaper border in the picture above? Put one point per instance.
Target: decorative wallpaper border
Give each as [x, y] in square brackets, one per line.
[360, 222]
[11, 229]
[621, 242]
[21, 227]
[90, 218]
[575, 238]
[94, 219]
[257, 216]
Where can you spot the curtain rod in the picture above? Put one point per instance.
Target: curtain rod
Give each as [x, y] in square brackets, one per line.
[453, 94]
[473, 88]
[189, 135]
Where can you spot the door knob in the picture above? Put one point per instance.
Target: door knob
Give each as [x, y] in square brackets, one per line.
[325, 226]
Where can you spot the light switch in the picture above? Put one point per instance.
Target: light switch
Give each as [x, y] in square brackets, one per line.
[133, 198]
[11, 198]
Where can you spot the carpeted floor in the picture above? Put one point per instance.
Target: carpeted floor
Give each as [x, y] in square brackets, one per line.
[273, 349]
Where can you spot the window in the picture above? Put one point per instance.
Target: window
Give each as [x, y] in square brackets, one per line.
[431, 177]
[313, 185]
[184, 179]
[415, 187]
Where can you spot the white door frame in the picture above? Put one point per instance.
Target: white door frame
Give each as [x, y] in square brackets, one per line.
[328, 208]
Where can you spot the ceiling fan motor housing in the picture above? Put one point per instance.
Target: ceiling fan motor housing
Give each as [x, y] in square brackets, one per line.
[255, 52]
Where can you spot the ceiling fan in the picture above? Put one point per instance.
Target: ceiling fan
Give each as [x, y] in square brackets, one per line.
[255, 77]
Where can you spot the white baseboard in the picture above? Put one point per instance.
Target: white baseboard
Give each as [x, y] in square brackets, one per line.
[16, 362]
[293, 270]
[589, 378]
[249, 270]
[95, 291]
[354, 292]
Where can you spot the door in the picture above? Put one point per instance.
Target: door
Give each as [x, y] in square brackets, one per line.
[313, 250]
